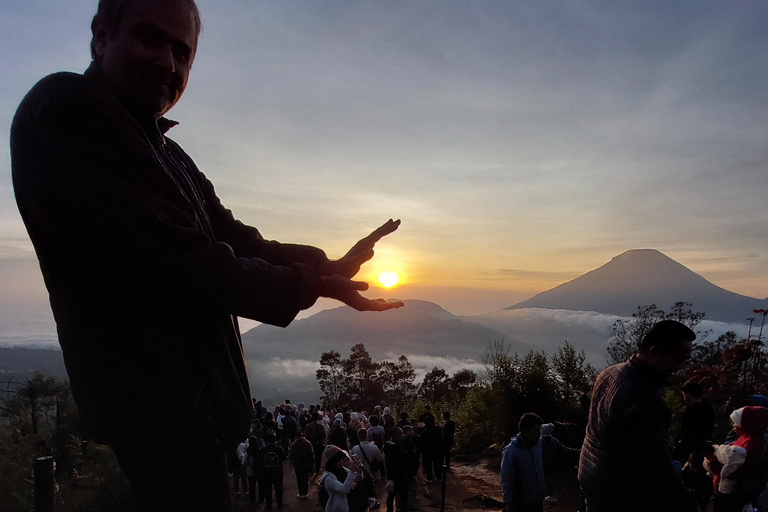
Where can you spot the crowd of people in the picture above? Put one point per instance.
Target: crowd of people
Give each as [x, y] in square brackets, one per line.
[353, 456]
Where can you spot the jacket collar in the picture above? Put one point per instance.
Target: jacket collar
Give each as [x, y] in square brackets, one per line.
[648, 372]
[155, 128]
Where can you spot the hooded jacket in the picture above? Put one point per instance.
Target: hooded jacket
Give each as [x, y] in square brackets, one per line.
[522, 472]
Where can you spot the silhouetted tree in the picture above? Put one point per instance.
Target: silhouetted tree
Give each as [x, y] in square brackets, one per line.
[626, 333]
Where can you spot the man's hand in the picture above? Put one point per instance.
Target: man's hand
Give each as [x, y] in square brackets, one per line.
[361, 252]
[343, 289]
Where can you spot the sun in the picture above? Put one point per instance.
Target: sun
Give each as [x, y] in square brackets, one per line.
[388, 279]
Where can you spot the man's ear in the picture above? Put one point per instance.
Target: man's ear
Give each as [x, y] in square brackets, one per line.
[100, 35]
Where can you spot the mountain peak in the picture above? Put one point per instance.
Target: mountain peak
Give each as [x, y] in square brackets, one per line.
[640, 277]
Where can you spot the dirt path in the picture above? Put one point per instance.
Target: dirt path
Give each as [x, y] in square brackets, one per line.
[468, 488]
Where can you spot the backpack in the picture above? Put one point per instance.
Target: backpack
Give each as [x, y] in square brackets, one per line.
[357, 499]
[271, 460]
[289, 425]
[378, 439]
[322, 493]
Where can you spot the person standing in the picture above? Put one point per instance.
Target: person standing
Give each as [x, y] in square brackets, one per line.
[432, 450]
[625, 461]
[340, 478]
[302, 454]
[523, 486]
[130, 233]
[697, 423]
[396, 462]
[315, 434]
[272, 457]
[449, 437]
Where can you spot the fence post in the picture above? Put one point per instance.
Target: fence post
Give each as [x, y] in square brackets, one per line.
[44, 484]
[445, 477]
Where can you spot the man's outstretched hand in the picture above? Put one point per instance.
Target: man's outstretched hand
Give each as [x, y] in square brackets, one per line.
[345, 290]
[362, 251]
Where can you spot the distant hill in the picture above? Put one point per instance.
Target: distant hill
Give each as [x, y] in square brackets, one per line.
[279, 360]
[640, 277]
[419, 327]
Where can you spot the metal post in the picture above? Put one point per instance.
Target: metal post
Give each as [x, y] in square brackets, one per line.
[445, 477]
[44, 484]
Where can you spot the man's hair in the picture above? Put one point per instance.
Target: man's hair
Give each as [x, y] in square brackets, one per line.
[693, 389]
[528, 421]
[374, 420]
[446, 415]
[667, 335]
[112, 11]
[362, 434]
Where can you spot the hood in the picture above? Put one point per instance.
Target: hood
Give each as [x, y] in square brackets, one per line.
[754, 421]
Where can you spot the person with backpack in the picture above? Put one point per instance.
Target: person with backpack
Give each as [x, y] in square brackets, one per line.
[271, 458]
[376, 432]
[315, 434]
[253, 469]
[340, 478]
[371, 458]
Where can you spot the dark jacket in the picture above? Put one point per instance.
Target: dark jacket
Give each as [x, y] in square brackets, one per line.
[145, 268]
[625, 459]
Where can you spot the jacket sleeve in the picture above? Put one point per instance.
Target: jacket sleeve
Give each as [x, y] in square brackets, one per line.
[100, 206]
[508, 474]
[333, 485]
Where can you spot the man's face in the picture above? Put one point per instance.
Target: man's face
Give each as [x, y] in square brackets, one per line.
[148, 58]
[671, 361]
[532, 434]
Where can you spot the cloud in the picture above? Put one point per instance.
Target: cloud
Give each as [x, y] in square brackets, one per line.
[283, 368]
[422, 364]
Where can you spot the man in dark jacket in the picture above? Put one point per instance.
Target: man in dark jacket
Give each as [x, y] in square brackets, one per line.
[625, 461]
[145, 268]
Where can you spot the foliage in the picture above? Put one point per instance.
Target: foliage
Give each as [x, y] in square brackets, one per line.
[627, 333]
[40, 419]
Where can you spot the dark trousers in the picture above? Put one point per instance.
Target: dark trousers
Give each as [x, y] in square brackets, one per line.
[252, 489]
[447, 455]
[319, 448]
[273, 479]
[432, 461]
[238, 473]
[401, 492]
[530, 507]
[202, 485]
[302, 481]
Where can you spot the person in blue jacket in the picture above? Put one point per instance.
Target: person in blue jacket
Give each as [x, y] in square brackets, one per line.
[522, 469]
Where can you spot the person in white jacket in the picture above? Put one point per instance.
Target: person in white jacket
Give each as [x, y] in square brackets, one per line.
[340, 476]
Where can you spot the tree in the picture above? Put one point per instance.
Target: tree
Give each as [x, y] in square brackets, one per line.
[627, 333]
[461, 381]
[435, 386]
[396, 380]
[497, 362]
[359, 372]
[331, 376]
[573, 375]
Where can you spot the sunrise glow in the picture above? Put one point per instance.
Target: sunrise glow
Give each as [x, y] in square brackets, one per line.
[388, 279]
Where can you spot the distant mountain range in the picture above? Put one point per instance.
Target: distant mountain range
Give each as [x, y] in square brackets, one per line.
[641, 277]
[282, 362]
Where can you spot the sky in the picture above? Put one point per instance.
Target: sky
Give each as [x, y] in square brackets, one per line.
[521, 143]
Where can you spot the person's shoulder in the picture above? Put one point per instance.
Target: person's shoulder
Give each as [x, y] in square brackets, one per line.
[54, 91]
